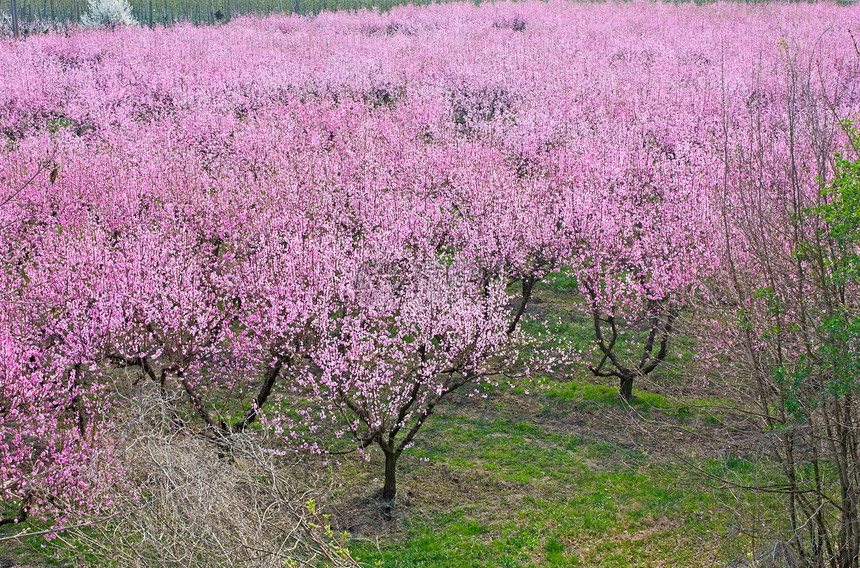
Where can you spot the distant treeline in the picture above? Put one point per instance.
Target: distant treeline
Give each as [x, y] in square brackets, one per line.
[158, 12]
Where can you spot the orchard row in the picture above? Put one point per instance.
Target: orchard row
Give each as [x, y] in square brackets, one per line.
[336, 222]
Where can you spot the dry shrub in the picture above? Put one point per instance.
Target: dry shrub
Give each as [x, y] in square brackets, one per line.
[207, 504]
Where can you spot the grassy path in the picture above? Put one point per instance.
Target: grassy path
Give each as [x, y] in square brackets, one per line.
[567, 477]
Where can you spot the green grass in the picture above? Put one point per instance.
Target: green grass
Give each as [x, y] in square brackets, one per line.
[587, 393]
[530, 497]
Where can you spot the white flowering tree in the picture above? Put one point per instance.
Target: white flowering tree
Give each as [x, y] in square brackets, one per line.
[108, 13]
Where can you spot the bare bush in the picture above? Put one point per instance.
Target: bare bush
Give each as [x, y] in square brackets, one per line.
[792, 340]
[234, 503]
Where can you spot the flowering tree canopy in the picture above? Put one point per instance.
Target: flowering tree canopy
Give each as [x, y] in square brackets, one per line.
[332, 216]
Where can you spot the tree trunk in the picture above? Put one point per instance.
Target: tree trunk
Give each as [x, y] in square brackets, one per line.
[626, 388]
[389, 490]
[15, 18]
[528, 285]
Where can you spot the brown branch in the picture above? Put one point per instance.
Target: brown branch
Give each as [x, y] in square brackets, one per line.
[42, 168]
[262, 396]
[528, 284]
[197, 402]
[666, 334]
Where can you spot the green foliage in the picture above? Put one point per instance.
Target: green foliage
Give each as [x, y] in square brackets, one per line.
[830, 368]
[842, 213]
[836, 249]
